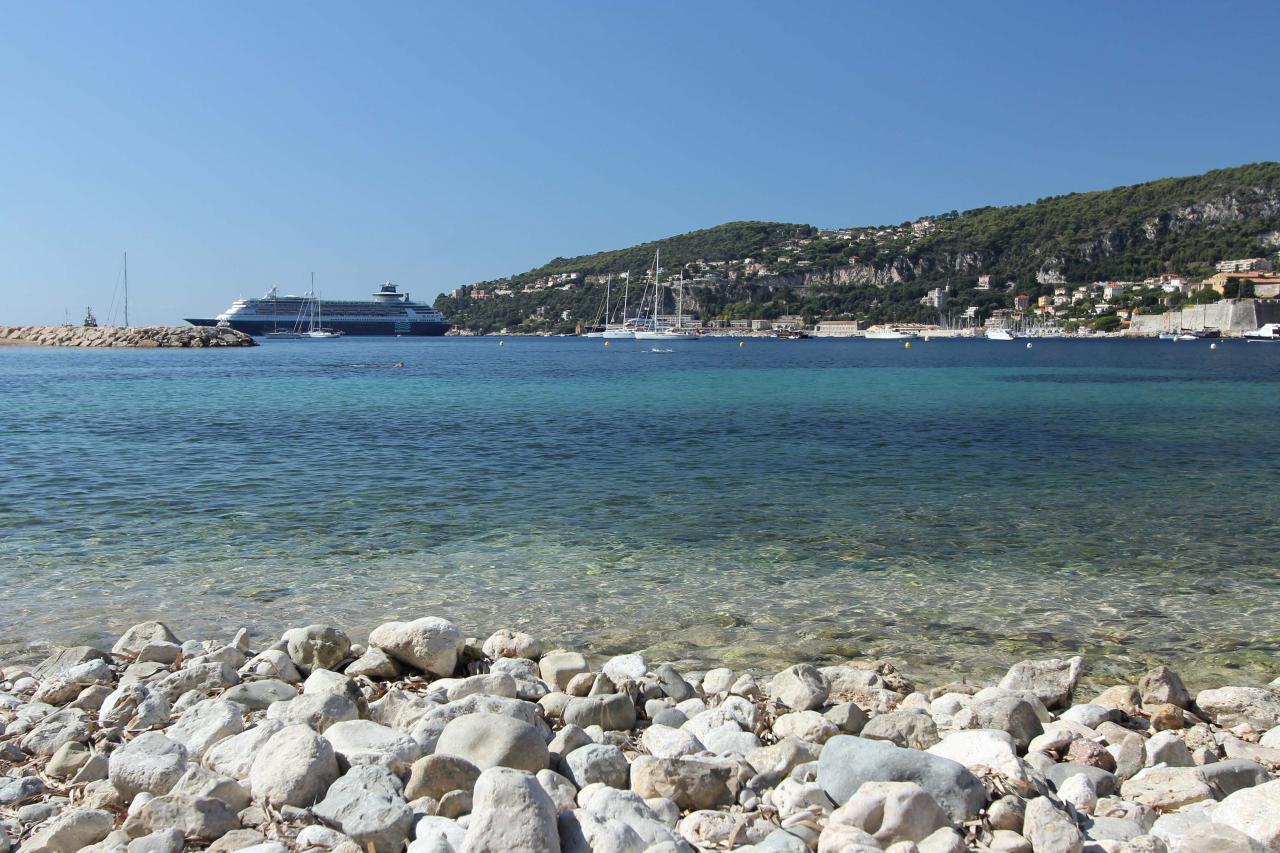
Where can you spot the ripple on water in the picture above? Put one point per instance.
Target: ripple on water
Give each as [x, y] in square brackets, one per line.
[956, 512]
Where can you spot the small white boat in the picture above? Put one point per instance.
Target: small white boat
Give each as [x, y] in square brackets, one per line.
[998, 333]
[1266, 334]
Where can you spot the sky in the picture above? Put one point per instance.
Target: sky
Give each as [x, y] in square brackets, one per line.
[230, 147]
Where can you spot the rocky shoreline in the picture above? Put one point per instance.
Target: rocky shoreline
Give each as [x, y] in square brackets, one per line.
[426, 740]
[137, 337]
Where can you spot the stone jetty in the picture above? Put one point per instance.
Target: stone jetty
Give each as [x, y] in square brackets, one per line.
[425, 740]
[139, 337]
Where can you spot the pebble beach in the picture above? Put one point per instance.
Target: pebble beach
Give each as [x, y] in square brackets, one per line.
[423, 739]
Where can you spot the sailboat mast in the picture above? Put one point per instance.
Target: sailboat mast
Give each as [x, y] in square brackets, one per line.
[126, 288]
[657, 265]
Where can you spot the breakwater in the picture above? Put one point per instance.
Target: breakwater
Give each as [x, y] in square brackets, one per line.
[137, 337]
[425, 737]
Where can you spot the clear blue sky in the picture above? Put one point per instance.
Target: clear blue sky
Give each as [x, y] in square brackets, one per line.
[232, 146]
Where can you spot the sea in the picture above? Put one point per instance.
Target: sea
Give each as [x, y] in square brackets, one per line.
[952, 506]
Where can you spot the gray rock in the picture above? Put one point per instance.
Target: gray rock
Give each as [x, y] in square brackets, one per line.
[143, 634]
[368, 805]
[611, 713]
[489, 684]
[201, 677]
[891, 812]
[847, 762]
[16, 789]
[690, 783]
[672, 717]
[70, 831]
[673, 683]
[1053, 681]
[1231, 706]
[903, 728]
[259, 695]
[1217, 838]
[161, 841]
[1236, 774]
[199, 782]
[505, 643]
[1162, 686]
[568, 739]
[1050, 830]
[318, 711]
[436, 775]
[621, 668]
[561, 790]
[234, 756]
[1104, 783]
[428, 729]
[558, 668]
[1255, 812]
[1169, 749]
[144, 672]
[1112, 829]
[63, 659]
[376, 665]
[206, 723]
[665, 742]
[801, 687]
[160, 652]
[848, 717]
[1013, 715]
[1007, 813]
[93, 770]
[597, 763]
[494, 740]
[511, 813]
[150, 762]
[367, 742]
[272, 663]
[65, 726]
[201, 818]
[316, 647]
[430, 644]
[294, 767]
[582, 832]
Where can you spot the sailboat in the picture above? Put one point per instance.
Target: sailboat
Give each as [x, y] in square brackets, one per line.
[679, 332]
[620, 332]
[317, 329]
[653, 331]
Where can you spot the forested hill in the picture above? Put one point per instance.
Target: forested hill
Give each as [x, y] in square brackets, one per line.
[1181, 225]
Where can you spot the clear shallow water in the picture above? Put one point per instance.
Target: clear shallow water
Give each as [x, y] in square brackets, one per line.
[956, 505]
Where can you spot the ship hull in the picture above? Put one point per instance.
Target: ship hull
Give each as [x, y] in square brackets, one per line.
[384, 328]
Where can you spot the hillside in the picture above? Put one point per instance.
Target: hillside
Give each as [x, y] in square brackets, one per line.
[878, 273]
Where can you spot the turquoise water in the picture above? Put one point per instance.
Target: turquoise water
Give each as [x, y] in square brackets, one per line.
[955, 505]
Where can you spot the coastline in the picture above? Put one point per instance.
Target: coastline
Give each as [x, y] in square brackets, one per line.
[422, 736]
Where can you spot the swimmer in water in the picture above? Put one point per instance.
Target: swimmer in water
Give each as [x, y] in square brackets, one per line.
[398, 364]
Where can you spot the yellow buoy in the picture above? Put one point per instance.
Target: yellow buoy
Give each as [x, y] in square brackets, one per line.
[606, 343]
[742, 343]
[907, 345]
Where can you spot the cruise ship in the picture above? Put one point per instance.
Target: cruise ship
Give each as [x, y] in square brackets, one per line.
[389, 312]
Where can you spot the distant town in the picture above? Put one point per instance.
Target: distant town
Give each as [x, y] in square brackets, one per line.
[1167, 302]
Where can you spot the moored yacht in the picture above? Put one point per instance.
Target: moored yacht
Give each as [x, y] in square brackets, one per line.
[1265, 334]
